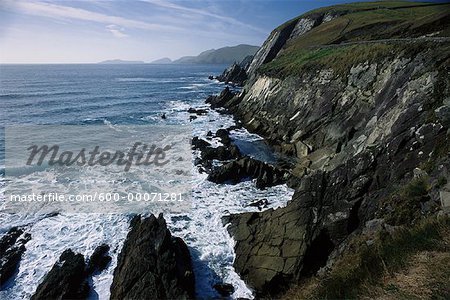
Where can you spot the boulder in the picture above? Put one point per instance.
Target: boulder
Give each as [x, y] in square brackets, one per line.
[153, 264]
[224, 289]
[260, 204]
[197, 111]
[199, 144]
[224, 136]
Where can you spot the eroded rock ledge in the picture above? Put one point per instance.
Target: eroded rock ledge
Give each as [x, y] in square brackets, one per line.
[12, 246]
[153, 264]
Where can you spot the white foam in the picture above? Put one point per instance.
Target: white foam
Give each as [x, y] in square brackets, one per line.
[211, 246]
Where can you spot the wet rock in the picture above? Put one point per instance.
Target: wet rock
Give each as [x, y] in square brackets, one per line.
[219, 100]
[153, 264]
[198, 143]
[234, 172]
[277, 247]
[99, 260]
[224, 136]
[220, 153]
[234, 74]
[260, 204]
[12, 247]
[197, 111]
[224, 289]
[66, 280]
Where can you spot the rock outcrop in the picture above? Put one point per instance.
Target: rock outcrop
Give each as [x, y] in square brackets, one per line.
[222, 99]
[236, 74]
[234, 172]
[99, 260]
[153, 264]
[12, 246]
[359, 126]
[66, 280]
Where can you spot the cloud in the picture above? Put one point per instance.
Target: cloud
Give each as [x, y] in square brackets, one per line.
[229, 20]
[116, 31]
[173, 22]
[66, 12]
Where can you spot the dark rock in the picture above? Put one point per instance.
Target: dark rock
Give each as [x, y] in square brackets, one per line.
[153, 264]
[221, 153]
[234, 172]
[224, 289]
[12, 247]
[224, 136]
[66, 280]
[197, 111]
[219, 101]
[260, 204]
[234, 74]
[198, 143]
[99, 260]
[163, 116]
[272, 247]
[210, 77]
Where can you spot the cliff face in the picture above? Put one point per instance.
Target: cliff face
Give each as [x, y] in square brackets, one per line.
[359, 95]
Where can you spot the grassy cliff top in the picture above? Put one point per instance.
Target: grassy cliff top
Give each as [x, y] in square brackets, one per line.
[374, 27]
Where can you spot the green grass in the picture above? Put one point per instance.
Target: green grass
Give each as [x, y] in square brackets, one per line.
[366, 24]
[362, 266]
[356, 7]
[339, 59]
[402, 207]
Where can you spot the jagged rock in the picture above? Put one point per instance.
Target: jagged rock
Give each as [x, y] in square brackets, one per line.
[219, 100]
[224, 289]
[198, 143]
[12, 246]
[221, 153]
[99, 260]
[234, 74]
[66, 280]
[276, 247]
[153, 264]
[234, 172]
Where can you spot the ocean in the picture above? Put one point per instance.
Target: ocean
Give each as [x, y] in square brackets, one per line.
[116, 95]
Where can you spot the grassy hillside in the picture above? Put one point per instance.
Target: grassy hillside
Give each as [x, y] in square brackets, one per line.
[363, 30]
[225, 55]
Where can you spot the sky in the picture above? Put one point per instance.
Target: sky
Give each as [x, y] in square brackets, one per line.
[91, 31]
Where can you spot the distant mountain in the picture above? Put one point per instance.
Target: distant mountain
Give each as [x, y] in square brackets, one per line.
[226, 55]
[162, 61]
[119, 61]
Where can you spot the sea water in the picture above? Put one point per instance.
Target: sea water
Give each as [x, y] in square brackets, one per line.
[121, 95]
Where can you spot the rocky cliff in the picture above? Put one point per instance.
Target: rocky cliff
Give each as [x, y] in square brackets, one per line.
[359, 95]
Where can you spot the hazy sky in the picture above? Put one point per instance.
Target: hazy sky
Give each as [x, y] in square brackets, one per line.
[91, 31]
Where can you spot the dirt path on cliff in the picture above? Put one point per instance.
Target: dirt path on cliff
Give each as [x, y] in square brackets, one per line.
[386, 41]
